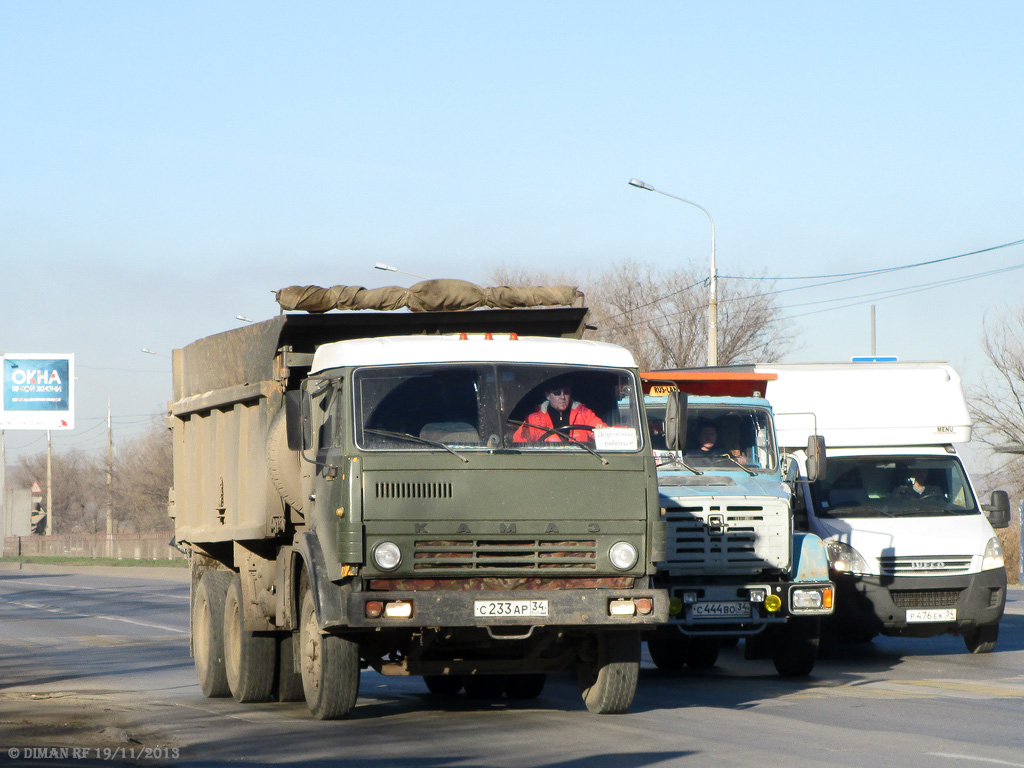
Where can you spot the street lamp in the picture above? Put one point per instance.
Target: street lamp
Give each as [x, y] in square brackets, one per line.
[713, 299]
[151, 352]
[388, 268]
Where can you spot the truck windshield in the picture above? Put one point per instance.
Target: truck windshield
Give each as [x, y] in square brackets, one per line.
[887, 486]
[720, 436]
[479, 406]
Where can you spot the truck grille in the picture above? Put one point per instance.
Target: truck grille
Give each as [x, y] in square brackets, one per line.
[482, 555]
[413, 490]
[723, 537]
[933, 565]
[925, 598]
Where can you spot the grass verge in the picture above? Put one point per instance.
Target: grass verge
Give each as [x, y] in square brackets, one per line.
[167, 563]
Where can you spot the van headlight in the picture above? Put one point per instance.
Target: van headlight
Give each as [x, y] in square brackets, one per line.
[387, 556]
[623, 555]
[843, 558]
[993, 557]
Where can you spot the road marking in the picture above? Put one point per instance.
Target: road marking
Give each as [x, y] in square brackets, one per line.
[84, 615]
[913, 689]
[62, 587]
[973, 758]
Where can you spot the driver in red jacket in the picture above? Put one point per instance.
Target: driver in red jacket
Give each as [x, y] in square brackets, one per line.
[559, 411]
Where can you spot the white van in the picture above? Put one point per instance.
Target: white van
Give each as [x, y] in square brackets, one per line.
[910, 550]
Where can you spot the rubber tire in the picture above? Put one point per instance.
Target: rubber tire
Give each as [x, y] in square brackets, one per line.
[608, 671]
[248, 657]
[208, 633]
[983, 639]
[526, 686]
[702, 653]
[795, 646]
[443, 685]
[484, 686]
[667, 647]
[329, 665]
[288, 685]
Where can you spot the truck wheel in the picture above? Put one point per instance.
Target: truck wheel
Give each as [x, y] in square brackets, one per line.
[608, 670]
[528, 686]
[288, 686]
[702, 653]
[795, 646]
[484, 686]
[248, 657]
[443, 685]
[668, 647]
[208, 633]
[983, 639]
[329, 666]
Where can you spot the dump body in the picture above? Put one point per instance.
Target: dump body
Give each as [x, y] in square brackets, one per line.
[388, 484]
[910, 549]
[734, 564]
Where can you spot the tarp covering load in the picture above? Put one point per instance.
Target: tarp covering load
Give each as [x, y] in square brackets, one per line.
[426, 296]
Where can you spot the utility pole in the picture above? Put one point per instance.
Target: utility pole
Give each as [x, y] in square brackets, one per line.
[110, 484]
[49, 485]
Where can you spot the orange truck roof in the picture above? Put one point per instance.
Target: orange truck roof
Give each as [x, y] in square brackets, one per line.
[710, 383]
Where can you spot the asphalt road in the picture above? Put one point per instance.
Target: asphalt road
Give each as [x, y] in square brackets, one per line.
[100, 663]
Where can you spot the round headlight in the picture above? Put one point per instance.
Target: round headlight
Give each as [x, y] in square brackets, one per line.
[623, 555]
[387, 556]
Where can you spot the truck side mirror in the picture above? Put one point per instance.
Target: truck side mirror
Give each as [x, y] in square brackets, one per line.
[815, 457]
[298, 426]
[675, 420]
[790, 470]
[998, 511]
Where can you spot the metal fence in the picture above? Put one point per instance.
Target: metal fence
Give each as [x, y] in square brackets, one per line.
[120, 546]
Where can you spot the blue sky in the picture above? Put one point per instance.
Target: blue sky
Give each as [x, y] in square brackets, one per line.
[166, 166]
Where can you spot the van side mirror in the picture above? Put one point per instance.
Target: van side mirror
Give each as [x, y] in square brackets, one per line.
[675, 421]
[998, 511]
[298, 427]
[815, 458]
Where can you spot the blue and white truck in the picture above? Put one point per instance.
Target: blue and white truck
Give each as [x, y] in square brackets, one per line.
[735, 567]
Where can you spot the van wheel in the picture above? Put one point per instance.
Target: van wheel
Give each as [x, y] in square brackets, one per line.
[443, 685]
[608, 670]
[795, 646]
[983, 639]
[248, 657]
[329, 666]
[208, 633]
[668, 647]
[528, 686]
[288, 686]
[484, 686]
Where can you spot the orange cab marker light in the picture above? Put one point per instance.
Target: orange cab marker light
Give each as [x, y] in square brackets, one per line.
[513, 337]
[463, 337]
[488, 336]
[374, 608]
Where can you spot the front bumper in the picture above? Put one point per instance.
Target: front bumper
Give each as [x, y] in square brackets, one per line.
[563, 608]
[874, 604]
[737, 614]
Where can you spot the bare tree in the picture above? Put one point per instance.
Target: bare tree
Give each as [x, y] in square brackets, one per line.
[142, 480]
[661, 315]
[74, 488]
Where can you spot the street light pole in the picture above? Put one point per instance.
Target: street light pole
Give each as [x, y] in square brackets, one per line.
[388, 268]
[713, 287]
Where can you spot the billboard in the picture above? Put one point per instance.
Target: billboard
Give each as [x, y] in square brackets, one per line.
[39, 392]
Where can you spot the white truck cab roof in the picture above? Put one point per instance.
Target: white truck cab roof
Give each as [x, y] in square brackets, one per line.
[506, 348]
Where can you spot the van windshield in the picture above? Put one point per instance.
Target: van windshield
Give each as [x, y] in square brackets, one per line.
[887, 486]
[487, 406]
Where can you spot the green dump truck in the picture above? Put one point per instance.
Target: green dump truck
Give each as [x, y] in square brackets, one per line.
[400, 491]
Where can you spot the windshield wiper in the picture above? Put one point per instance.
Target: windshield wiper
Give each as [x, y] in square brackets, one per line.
[678, 460]
[413, 438]
[570, 438]
[746, 469]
